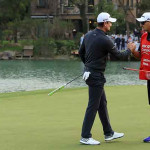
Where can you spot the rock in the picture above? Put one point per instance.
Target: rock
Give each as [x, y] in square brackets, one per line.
[7, 55]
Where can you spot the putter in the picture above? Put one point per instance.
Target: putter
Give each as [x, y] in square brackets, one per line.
[61, 87]
[147, 73]
[125, 68]
[135, 70]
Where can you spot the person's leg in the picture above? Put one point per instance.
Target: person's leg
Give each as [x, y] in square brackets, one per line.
[118, 47]
[104, 116]
[93, 105]
[147, 140]
[148, 89]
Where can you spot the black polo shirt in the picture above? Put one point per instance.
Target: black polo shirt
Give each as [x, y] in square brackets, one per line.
[95, 48]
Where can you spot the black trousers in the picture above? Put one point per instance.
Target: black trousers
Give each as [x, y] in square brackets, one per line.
[148, 89]
[97, 103]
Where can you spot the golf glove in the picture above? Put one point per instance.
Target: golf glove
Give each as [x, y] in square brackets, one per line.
[86, 75]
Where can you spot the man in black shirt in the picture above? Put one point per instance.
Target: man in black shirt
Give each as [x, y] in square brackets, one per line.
[94, 52]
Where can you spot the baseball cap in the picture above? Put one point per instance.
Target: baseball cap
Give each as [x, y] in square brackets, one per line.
[104, 17]
[144, 17]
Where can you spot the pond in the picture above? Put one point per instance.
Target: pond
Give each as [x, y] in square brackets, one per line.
[27, 75]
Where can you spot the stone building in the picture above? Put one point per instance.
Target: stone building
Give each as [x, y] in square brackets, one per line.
[68, 11]
[130, 6]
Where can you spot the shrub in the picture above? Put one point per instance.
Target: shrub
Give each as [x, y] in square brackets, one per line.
[45, 47]
[26, 42]
[64, 47]
[6, 45]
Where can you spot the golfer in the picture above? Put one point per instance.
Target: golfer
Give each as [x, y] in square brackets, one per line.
[94, 52]
[144, 53]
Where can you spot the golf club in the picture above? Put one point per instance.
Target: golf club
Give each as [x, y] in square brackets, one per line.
[61, 87]
[125, 68]
[135, 70]
[147, 73]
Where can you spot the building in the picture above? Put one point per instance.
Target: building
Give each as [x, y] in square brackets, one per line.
[129, 7]
[41, 9]
[66, 10]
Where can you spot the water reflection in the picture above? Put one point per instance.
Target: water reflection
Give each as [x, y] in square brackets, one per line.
[21, 75]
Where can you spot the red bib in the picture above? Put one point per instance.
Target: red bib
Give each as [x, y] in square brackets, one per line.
[145, 58]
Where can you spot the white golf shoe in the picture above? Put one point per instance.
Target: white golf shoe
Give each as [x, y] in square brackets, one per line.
[114, 136]
[89, 141]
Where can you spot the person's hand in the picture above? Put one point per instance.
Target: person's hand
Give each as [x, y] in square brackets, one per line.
[131, 46]
[86, 75]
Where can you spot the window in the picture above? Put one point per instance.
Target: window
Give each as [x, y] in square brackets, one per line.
[42, 3]
[131, 3]
[109, 0]
[70, 3]
[90, 6]
[122, 1]
[91, 2]
[127, 2]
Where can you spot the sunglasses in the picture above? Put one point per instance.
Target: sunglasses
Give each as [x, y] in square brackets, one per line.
[142, 23]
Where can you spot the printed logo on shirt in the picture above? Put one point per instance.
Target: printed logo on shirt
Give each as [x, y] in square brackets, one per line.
[146, 49]
[145, 64]
[146, 60]
[145, 46]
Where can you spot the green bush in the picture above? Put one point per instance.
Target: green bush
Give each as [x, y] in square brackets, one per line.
[26, 42]
[50, 47]
[7, 46]
[11, 48]
[45, 47]
[77, 39]
[64, 47]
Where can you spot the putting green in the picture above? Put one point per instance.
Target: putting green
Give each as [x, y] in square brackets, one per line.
[36, 121]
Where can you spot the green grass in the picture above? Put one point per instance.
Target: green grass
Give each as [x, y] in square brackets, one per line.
[11, 48]
[36, 121]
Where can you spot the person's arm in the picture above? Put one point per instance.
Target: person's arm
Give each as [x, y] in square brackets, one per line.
[82, 51]
[111, 48]
[136, 54]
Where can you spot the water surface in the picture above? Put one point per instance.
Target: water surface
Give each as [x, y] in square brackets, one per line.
[26, 75]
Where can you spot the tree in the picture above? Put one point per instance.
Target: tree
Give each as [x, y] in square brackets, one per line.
[83, 7]
[104, 6]
[142, 6]
[126, 9]
[13, 11]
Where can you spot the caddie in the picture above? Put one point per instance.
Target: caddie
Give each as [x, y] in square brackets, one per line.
[144, 53]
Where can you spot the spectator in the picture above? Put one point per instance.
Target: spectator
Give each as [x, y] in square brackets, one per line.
[74, 32]
[122, 43]
[129, 39]
[81, 39]
[117, 41]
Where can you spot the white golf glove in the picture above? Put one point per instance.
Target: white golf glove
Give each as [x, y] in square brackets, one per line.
[86, 75]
